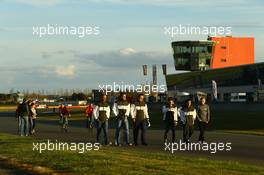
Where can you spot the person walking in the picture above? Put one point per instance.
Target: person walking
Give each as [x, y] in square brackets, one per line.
[24, 114]
[61, 106]
[121, 110]
[89, 116]
[203, 116]
[64, 114]
[101, 115]
[188, 117]
[140, 117]
[33, 114]
[18, 116]
[170, 118]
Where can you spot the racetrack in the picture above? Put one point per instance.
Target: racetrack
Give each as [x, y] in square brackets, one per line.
[245, 148]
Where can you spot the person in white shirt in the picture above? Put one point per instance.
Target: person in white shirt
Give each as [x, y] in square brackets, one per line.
[140, 117]
[121, 110]
[170, 118]
[101, 115]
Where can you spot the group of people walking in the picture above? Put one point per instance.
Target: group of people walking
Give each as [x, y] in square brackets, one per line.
[26, 114]
[185, 116]
[125, 112]
[122, 109]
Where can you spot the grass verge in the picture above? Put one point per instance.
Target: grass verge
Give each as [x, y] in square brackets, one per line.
[118, 160]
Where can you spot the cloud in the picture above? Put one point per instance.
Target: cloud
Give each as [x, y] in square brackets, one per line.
[127, 51]
[65, 71]
[123, 65]
[127, 58]
[41, 71]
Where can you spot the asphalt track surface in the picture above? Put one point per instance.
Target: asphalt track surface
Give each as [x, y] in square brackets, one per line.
[245, 148]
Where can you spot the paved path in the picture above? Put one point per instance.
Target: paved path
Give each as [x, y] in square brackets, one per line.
[245, 148]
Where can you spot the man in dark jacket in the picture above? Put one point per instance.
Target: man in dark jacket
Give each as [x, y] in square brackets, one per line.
[24, 114]
[188, 116]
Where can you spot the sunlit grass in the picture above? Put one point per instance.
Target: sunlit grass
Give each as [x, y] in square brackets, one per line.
[118, 160]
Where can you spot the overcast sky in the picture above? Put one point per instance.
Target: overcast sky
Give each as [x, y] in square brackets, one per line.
[131, 34]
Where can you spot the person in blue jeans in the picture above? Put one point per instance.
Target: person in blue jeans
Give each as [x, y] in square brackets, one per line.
[101, 115]
[24, 114]
[140, 117]
[121, 110]
[18, 116]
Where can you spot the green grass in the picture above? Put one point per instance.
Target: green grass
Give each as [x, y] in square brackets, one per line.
[121, 160]
[249, 132]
